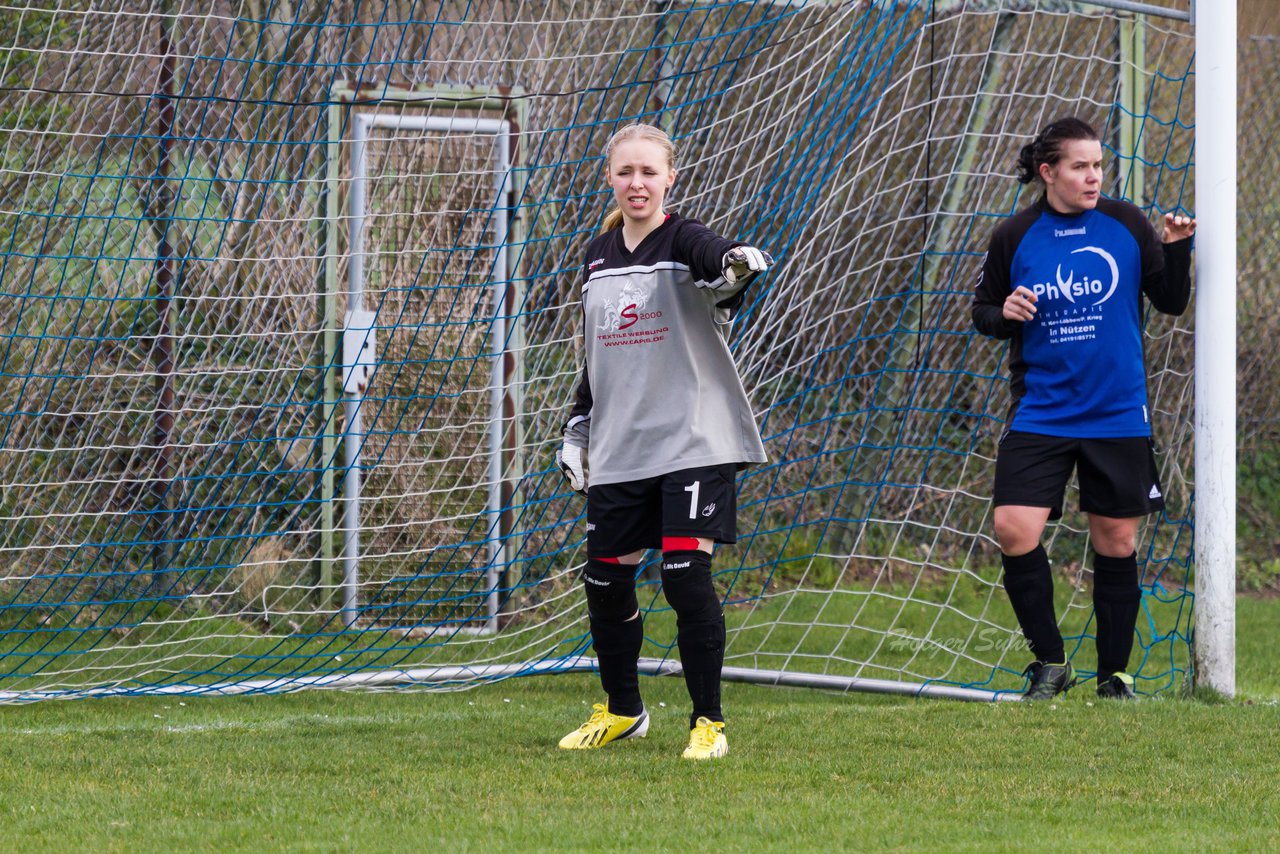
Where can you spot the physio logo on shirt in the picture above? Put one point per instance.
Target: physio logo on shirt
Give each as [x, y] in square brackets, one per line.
[1089, 287]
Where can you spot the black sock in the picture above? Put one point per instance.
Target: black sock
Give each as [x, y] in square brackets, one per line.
[700, 634]
[617, 632]
[617, 647]
[1117, 599]
[702, 657]
[1029, 583]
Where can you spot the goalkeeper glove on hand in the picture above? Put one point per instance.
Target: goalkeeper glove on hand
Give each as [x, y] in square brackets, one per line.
[569, 458]
[741, 262]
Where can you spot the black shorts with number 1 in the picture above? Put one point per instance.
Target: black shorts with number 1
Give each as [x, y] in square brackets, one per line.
[626, 517]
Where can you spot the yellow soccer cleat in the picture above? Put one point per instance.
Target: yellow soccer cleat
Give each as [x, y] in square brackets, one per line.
[706, 740]
[603, 727]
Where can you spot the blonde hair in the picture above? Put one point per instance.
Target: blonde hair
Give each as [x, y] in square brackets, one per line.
[613, 219]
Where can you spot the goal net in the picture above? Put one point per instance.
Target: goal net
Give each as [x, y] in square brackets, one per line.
[289, 326]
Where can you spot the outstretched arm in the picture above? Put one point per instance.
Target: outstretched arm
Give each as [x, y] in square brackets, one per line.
[730, 264]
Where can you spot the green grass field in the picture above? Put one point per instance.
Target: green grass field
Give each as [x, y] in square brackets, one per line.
[807, 770]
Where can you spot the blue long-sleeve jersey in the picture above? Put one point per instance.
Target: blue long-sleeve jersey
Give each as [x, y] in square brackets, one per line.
[1076, 369]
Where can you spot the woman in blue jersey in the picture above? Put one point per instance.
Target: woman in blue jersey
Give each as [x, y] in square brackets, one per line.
[1064, 281]
[662, 416]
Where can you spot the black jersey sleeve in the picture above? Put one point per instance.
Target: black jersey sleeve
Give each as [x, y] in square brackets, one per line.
[1169, 286]
[988, 299]
[702, 249]
[994, 277]
[994, 282]
[577, 430]
[1166, 267]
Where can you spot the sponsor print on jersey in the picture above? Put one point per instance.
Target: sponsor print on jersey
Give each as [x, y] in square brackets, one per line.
[632, 299]
[1070, 307]
[618, 326]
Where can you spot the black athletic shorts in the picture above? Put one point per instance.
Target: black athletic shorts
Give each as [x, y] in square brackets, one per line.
[1118, 477]
[626, 517]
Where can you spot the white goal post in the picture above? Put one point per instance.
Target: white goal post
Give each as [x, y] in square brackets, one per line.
[1215, 360]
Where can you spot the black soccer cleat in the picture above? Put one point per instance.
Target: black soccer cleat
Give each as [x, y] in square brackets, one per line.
[1048, 680]
[1117, 686]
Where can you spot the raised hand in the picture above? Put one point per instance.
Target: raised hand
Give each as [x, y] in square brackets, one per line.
[1177, 227]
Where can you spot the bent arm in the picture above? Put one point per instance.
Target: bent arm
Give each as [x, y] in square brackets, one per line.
[993, 289]
[1169, 286]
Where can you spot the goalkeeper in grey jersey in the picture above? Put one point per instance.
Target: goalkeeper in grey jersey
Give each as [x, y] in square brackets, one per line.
[662, 417]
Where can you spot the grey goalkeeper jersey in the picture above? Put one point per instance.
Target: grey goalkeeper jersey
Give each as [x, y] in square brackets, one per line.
[660, 391]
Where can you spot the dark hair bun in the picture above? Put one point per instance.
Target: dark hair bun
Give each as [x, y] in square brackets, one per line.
[1027, 164]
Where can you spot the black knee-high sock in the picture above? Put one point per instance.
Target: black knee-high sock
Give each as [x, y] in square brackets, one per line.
[1117, 598]
[617, 632]
[700, 633]
[702, 657]
[617, 647]
[1029, 583]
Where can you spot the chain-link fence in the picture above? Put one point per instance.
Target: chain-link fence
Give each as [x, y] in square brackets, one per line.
[1258, 373]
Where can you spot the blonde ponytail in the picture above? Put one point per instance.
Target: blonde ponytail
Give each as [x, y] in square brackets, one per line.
[612, 220]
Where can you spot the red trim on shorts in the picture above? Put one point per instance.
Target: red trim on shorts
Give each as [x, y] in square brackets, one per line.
[607, 560]
[679, 544]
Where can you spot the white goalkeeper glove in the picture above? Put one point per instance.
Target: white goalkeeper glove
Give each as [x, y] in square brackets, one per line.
[741, 262]
[569, 458]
